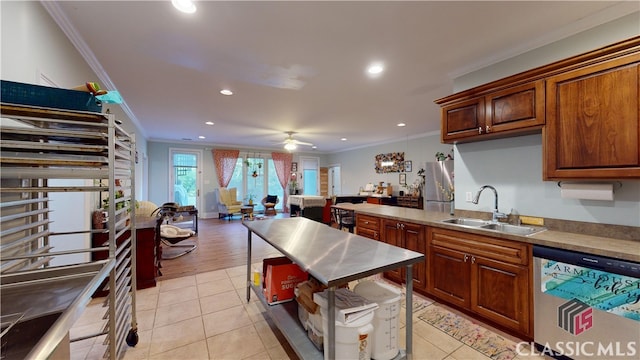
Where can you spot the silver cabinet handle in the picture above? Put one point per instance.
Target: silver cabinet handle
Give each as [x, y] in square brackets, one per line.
[479, 129]
[466, 257]
[488, 128]
[473, 259]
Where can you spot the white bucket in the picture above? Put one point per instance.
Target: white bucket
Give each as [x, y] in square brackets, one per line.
[384, 345]
[353, 340]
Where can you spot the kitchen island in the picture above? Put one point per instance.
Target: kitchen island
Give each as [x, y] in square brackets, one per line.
[334, 258]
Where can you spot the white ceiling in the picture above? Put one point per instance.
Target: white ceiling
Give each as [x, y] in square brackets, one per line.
[300, 66]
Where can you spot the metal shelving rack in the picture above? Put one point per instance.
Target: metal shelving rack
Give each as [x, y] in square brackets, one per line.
[38, 145]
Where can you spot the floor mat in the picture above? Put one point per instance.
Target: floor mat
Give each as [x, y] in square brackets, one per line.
[481, 339]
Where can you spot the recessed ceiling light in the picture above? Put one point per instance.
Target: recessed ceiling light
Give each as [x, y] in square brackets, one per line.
[314, 147]
[375, 69]
[401, 124]
[186, 6]
[226, 92]
[209, 122]
[343, 139]
[201, 137]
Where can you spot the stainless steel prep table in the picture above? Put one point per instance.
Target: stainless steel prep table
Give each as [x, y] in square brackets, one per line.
[333, 257]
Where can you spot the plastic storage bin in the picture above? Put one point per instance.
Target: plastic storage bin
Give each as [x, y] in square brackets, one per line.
[50, 97]
[353, 338]
[384, 344]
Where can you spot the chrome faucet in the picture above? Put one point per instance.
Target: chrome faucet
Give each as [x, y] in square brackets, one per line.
[496, 214]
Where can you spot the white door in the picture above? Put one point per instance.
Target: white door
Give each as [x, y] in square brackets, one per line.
[185, 177]
[335, 187]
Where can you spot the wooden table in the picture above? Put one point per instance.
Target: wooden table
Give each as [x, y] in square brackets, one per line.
[247, 211]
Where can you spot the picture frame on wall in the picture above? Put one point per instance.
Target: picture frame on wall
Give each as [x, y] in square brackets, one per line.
[294, 166]
[403, 179]
[407, 166]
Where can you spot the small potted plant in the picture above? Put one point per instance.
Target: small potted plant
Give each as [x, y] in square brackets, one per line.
[250, 198]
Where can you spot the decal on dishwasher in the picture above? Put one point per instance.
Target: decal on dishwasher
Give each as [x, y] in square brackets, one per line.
[613, 293]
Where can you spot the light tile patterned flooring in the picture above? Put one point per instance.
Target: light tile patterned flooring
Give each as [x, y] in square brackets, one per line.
[206, 316]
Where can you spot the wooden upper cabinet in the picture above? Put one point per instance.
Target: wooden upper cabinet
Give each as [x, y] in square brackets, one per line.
[517, 109]
[462, 120]
[592, 128]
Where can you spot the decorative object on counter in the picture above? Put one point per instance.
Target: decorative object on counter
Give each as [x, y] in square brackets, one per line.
[408, 165]
[390, 162]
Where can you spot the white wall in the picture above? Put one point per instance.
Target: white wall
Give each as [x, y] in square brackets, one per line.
[514, 165]
[33, 46]
[358, 166]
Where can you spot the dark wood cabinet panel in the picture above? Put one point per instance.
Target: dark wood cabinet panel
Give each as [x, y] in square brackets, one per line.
[412, 237]
[450, 278]
[501, 293]
[368, 226]
[486, 276]
[514, 110]
[593, 128]
[463, 119]
[392, 235]
[414, 202]
[148, 254]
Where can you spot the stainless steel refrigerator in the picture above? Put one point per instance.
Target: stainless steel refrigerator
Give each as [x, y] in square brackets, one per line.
[438, 186]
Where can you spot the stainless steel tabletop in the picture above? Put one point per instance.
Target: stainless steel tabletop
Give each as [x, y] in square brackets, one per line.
[332, 256]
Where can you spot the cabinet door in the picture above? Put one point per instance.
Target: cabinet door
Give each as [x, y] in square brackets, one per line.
[450, 276]
[462, 120]
[592, 128]
[500, 292]
[415, 240]
[392, 235]
[368, 233]
[515, 108]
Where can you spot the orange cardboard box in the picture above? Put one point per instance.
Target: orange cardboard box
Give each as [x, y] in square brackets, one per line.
[280, 279]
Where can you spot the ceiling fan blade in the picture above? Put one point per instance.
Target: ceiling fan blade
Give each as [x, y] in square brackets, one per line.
[302, 142]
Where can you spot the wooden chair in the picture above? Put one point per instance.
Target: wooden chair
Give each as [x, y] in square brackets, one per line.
[269, 202]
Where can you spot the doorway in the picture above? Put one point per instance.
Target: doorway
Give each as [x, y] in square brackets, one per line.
[335, 187]
[185, 179]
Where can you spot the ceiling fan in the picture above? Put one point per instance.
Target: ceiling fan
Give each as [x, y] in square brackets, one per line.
[291, 144]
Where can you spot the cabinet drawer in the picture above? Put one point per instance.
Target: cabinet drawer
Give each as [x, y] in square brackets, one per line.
[487, 247]
[367, 222]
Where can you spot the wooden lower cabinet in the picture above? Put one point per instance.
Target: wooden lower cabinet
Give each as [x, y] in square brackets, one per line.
[485, 276]
[368, 226]
[148, 254]
[412, 237]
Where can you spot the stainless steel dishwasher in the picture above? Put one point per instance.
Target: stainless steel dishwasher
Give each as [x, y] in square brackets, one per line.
[585, 306]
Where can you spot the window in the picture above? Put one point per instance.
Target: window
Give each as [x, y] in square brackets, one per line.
[256, 175]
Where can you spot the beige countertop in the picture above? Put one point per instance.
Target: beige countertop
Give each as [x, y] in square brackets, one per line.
[597, 245]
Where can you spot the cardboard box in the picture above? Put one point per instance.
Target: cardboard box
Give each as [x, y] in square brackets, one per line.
[280, 279]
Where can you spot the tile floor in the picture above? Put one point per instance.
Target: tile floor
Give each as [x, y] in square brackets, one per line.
[206, 316]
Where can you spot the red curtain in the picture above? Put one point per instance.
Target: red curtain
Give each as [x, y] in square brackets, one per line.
[282, 163]
[225, 163]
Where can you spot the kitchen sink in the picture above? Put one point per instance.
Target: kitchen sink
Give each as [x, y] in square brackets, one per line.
[513, 229]
[498, 227]
[467, 222]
